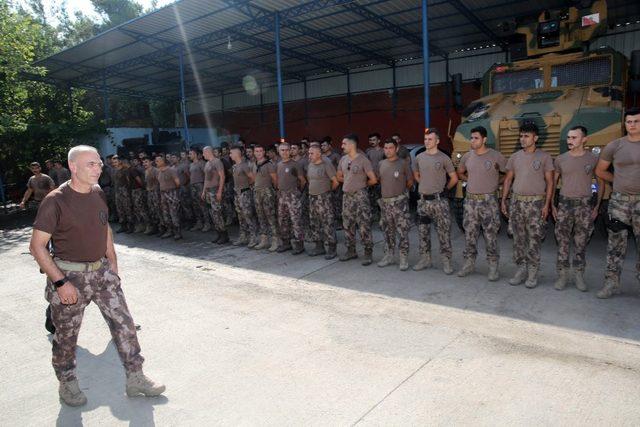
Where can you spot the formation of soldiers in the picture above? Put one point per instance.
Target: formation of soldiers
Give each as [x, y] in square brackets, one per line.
[289, 193]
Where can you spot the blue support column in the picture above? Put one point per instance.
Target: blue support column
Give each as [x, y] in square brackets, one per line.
[183, 102]
[279, 77]
[425, 62]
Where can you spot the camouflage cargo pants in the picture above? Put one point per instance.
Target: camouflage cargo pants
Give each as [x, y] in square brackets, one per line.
[528, 228]
[481, 216]
[140, 212]
[199, 207]
[628, 212]
[153, 203]
[216, 210]
[395, 220]
[266, 209]
[436, 212]
[170, 206]
[337, 203]
[109, 193]
[290, 216]
[322, 222]
[356, 214]
[123, 206]
[246, 213]
[186, 212]
[304, 206]
[574, 223]
[103, 288]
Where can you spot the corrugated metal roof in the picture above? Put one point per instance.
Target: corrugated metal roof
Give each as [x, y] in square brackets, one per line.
[316, 35]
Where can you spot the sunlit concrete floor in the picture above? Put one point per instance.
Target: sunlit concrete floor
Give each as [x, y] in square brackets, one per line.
[255, 338]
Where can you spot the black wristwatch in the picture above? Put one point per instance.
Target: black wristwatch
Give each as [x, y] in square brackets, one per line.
[60, 282]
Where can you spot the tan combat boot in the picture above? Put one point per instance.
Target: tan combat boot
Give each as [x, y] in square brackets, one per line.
[318, 249]
[368, 257]
[468, 267]
[579, 280]
[563, 277]
[350, 254]
[138, 383]
[423, 262]
[70, 393]
[611, 287]
[139, 228]
[532, 277]
[274, 244]
[241, 240]
[493, 274]
[386, 260]
[447, 267]
[519, 277]
[331, 252]
[297, 247]
[404, 262]
[264, 243]
[253, 242]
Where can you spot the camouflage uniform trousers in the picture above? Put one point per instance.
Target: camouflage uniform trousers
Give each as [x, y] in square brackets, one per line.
[199, 207]
[170, 206]
[266, 209]
[395, 220]
[322, 222]
[138, 197]
[337, 204]
[216, 210]
[186, 212]
[528, 227]
[481, 216]
[111, 200]
[628, 212]
[436, 212]
[356, 213]
[304, 206]
[228, 196]
[246, 212]
[290, 216]
[103, 288]
[574, 219]
[123, 205]
[153, 203]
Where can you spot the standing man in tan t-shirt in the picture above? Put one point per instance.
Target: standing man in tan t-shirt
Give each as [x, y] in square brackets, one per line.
[243, 178]
[481, 168]
[290, 181]
[396, 178]
[431, 169]
[321, 175]
[39, 185]
[624, 204]
[153, 198]
[356, 174]
[575, 213]
[84, 269]
[265, 200]
[169, 198]
[375, 154]
[531, 172]
[196, 185]
[213, 193]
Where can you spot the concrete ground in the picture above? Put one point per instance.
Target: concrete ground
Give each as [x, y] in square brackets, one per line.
[254, 338]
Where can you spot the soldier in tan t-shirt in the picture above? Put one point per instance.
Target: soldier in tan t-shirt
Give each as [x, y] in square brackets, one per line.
[395, 178]
[531, 172]
[265, 200]
[481, 167]
[169, 199]
[431, 169]
[290, 181]
[153, 197]
[356, 174]
[575, 213]
[196, 185]
[375, 154]
[39, 185]
[322, 179]
[213, 193]
[243, 178]
[624, 204]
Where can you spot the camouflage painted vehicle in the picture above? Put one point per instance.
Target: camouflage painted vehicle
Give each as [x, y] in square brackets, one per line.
[556, 87]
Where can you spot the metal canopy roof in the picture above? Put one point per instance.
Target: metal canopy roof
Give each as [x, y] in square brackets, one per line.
[223, 41]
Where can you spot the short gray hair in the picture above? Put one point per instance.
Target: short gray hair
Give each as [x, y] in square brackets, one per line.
[73, 153]
[207, 147]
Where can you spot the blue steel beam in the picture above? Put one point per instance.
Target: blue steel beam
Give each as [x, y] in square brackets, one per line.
[183, 101]
[279, 77]
[388, 25]
[253, 11]
[425, 63]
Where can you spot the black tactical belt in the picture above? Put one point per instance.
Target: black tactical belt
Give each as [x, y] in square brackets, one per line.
[434, 196]
[575, 201]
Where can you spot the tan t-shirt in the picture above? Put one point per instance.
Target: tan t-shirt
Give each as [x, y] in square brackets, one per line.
[241, 173]
[393, 177]
[263, 175]
[212, 173]
[625, 156]
[483, 170]
[576, 173]
[77, 222]
[375, 156]
[433, 169]
[319, 176]
[529, 169]
[151, 178]
[196, 171]
[288, 173]
[355, 172]
[40, 186]
[166, 178]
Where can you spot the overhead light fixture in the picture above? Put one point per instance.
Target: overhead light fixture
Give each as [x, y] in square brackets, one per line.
[229, 42]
